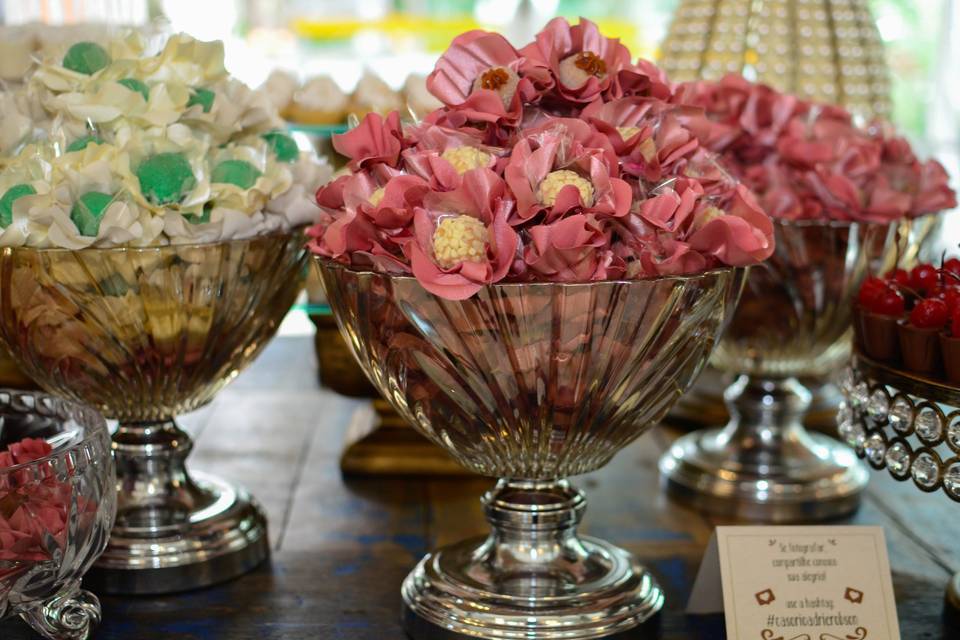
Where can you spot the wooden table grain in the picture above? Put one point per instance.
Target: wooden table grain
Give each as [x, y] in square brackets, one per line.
[341, 546]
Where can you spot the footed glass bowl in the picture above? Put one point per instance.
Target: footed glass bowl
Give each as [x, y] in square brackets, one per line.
[531, 383]
[55, 513]
[144, 334]
[793, 323]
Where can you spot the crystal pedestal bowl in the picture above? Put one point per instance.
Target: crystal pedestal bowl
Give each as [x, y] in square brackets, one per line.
[531, 383]
[56, 511]
[793, 320]
[144, 335]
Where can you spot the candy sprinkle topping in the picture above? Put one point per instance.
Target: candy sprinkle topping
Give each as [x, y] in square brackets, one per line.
[459, 239]
[464, 159]
[557, 180]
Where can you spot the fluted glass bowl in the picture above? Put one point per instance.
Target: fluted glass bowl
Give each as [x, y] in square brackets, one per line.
[144, 334]
[531, 383]
[793, 320]
[55, 513]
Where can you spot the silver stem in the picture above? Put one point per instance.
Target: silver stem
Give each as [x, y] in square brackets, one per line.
[153, 487]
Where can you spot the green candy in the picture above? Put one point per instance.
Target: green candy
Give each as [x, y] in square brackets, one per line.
[237, 172]
[165, 178]
[203, 218]
[283, 145]
[136, 85]
[86, 58]
[203, 97]
[13, 194]
[81, 143]
[87, 212]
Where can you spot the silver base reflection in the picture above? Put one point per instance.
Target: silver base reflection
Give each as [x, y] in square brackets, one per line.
[764, 465]
[174, 531]
[533, 578]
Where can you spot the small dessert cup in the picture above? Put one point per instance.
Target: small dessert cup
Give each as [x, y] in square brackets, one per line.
[919, 347]
[57, 511]
[950, 352]
[879, 334]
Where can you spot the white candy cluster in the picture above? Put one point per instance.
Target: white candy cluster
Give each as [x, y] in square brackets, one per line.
[110, 146]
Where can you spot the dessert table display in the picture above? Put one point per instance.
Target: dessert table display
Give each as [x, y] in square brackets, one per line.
[902, 390]
[531, 276]
[340, 545]
[150, 244]
[57, 504]
[846, 202]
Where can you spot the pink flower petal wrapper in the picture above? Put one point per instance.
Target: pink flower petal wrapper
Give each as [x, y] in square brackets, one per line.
[565, 161]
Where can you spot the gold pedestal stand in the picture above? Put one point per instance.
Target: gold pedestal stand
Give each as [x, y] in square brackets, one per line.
[910, 425]
[11, 377]
[378, 441]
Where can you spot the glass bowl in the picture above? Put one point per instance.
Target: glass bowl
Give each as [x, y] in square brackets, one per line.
[531, 383]
[143, 335]
[56, 513]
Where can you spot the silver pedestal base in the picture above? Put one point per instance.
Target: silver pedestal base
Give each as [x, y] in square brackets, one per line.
[223, 538]
[764, 466]
[532, 579]
[952, 601]
[697, 472]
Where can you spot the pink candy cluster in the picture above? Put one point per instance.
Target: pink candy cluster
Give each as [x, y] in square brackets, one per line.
[809, 161]
[562, 161]
[32, 510]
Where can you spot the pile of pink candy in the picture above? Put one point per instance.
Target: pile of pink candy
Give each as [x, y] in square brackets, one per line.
[810, 161]
[565, 161]
[33, 509]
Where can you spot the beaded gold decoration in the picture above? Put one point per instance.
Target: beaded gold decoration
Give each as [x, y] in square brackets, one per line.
[825, 50]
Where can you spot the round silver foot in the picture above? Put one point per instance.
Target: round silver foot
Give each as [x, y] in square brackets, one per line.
[824, 483]
[764, 466]
[155, 550]
[533, 578]
[72, 614]
[952, 601]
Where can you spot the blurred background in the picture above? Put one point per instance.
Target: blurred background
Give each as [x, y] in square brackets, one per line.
[344, 41]
[393, 38]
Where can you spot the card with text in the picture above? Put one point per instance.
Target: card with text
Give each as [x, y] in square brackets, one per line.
[798, 583]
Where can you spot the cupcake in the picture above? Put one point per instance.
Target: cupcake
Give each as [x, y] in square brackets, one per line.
[279, 89]
[372, 94]
[319, 101]
[420, 101]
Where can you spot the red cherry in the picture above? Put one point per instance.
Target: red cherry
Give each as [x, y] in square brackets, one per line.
[900, 277]
[952, 266]
[931, 313]
[924, 277]
[949, 294]
[871, 289]
[888, 303]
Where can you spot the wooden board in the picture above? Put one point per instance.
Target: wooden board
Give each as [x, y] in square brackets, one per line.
[341, 547]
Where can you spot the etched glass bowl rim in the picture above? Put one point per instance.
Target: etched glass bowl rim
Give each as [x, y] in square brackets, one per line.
[845, 224]
[293, 231]
[92, 420]
[701, 276]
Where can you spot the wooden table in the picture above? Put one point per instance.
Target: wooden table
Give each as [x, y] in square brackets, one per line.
[341, 547]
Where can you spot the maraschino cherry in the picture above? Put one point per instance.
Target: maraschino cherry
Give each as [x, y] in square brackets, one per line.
[899, 277]
[924, 278]
[930, 313]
